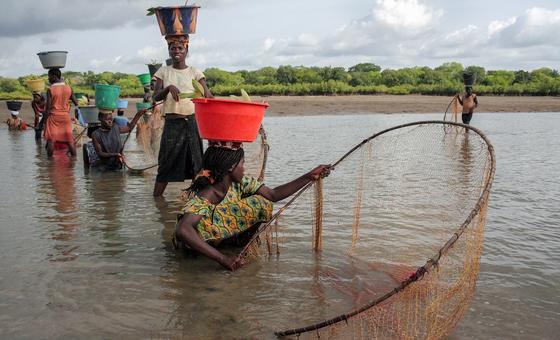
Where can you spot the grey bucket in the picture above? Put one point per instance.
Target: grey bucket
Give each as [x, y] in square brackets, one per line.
[90, 113]
[53, 59]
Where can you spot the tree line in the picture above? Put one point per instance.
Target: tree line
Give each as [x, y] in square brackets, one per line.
[363, 78]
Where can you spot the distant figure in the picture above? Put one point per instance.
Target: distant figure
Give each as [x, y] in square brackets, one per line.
[58, 125]
[39, 105]
[104, 152]
[120, 119]
[469, 103]
[15, 123]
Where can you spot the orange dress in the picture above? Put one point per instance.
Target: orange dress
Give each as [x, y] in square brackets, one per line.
[58, 127]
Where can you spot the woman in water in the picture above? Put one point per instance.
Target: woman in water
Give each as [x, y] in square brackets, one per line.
[224, 202]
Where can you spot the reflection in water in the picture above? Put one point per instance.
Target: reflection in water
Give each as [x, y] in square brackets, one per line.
[61, 187]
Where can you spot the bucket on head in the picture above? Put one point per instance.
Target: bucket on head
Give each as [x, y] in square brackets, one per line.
[106, 96]
[228, 120]
[89, 113]
[14, 105]
[36, 85]
[53, 59]
[153, 68]
[122, 104]
[177, 20]
[143, 106]
[469, 78]
[144, 78]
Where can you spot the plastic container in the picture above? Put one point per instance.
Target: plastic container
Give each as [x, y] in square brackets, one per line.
[142, 106]
[106, 96]
[122, 104]
[469, 78]
[14, 105]
[89, 113]
[153, 68]
[36, 85]
[53, 59]
[228, 120]
[144, 78]
[177, 20]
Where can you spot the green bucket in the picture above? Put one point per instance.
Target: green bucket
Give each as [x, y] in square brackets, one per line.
[142, 106]
[106, 96]
[144, 78]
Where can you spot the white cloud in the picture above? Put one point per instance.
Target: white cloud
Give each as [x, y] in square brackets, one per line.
[405, 14]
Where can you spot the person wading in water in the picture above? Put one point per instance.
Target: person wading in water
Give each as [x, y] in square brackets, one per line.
[180, 154]
[469, 101]
[58, 127]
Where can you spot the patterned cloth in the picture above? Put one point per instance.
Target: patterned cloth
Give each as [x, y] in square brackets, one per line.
[239, 210]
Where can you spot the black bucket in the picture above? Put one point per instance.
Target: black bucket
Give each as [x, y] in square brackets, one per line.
[153, 68]
[469, 78]
[14, 105]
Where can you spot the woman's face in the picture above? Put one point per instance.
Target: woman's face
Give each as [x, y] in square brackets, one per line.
[239, 171]
[177, 52]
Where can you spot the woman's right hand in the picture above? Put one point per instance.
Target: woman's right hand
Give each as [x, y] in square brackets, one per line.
[321, 171]
[174, 92]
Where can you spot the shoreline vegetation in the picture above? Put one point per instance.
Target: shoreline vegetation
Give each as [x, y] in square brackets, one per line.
[293, 106]
[360, 79]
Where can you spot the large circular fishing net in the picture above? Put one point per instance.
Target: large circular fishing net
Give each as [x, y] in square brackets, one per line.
[408, 204]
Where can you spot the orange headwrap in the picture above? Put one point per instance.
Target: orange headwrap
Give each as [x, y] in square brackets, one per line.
[182, 39]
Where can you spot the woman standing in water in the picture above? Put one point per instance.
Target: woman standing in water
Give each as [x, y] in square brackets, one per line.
[180, 154]
[58, 127]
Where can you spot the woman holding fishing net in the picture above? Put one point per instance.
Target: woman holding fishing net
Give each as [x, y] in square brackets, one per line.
[180, 154]
[224, 202]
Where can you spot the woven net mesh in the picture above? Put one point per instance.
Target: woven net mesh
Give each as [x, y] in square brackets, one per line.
[408, 205]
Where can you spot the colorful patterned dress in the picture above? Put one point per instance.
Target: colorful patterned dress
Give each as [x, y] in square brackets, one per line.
[240, 209]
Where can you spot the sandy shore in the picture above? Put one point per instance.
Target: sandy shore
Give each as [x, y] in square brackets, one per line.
[316, 105]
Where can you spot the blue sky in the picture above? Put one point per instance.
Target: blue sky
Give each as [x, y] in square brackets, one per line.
[115, 35]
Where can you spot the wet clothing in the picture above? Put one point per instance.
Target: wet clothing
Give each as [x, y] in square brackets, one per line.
[58, 126]
[182, 79]
[180, 153]
[40, 110]
[240, 209]
[466, 118]
[110, 142]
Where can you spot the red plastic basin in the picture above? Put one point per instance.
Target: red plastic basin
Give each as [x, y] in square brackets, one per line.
[228, 120]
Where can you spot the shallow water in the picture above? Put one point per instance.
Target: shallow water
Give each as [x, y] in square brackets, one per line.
[88, 254]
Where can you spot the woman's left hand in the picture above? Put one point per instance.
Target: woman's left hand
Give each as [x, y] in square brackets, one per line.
[321, 171]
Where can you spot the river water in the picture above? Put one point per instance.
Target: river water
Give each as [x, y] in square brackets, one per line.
[87, 254]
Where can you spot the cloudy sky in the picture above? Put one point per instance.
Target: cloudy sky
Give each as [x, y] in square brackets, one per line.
[115, 35]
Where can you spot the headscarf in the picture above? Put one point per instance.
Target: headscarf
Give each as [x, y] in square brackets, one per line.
[14, 113]
[182, 39]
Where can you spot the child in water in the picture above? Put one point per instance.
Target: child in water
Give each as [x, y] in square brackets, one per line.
[224, 202]
[15, 123]
[107, 143]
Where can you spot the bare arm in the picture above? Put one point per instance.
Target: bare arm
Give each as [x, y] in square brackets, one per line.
[100, 151]
[475, 101]
[186, 232]
[130, 126]
[160, 93]
[460, 100]
[288, 189]
[207, 92]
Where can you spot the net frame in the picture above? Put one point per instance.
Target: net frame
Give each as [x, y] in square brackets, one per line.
[357, 320]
